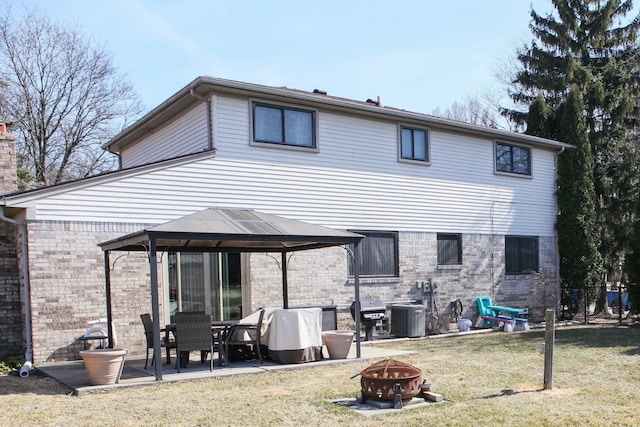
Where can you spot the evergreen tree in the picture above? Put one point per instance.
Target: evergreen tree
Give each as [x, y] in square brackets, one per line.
[580, 46]
[578, 233]
[539, 119]
[578, 230]
[632, 269]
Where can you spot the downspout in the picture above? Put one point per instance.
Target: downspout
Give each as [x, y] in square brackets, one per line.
[557, 308]
[28, 356]
[119, 160]
[210, 143]
[492, 255]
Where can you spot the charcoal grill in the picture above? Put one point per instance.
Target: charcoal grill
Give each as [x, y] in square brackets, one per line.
[371, 313]
[390, 380]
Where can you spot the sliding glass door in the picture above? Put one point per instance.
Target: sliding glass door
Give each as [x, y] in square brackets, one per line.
[208, 282]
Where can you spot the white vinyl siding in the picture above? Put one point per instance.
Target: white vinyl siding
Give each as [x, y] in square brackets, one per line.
[186, 134]
[354, 181]
[331, 197]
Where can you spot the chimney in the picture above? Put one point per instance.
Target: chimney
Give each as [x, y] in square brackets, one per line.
[8, 164]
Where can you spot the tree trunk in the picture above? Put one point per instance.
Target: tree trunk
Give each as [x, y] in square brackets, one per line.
[601, 302]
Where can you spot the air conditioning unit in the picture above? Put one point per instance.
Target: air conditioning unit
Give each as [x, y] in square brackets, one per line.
[408, 320]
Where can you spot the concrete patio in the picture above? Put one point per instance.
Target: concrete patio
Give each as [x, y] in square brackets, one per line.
[73, 375]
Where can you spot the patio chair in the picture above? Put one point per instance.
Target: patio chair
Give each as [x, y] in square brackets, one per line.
[488, 316]
[492, 318]
[193, 332]
[244, 340]
[148, 333]
[203, 353]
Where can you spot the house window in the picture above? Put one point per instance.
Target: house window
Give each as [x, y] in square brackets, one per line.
[521, 254]
[414, 144]
[283, 125]
[449, 249]
[513, 159]
[378, 254]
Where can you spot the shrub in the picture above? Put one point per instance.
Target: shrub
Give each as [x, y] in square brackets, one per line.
[9, 363]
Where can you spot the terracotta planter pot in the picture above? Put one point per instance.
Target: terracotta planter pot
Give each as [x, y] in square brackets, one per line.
[104, 365]
[338, 343]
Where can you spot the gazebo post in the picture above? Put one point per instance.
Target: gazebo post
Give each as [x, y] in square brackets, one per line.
[356, 279]
[285, 284]
[107, 279]
[153, 266]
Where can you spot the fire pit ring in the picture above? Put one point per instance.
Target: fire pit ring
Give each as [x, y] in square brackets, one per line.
[387, 379]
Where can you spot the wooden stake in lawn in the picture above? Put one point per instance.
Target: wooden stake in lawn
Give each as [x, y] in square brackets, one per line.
[549, 338]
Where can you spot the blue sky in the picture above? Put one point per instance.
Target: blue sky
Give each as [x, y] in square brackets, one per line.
[415, 55]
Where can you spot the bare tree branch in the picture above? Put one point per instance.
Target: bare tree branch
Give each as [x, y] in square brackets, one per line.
[63, 95]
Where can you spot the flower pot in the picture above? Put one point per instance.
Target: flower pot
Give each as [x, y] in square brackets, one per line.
[464, 325]
[104, 365]
[338, 343]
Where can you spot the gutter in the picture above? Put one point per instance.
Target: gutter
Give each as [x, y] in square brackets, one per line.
[28, 356]
[210, 144]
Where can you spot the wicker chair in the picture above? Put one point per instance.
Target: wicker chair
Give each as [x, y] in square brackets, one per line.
[244, 336]
[148, 333]
[193, 332]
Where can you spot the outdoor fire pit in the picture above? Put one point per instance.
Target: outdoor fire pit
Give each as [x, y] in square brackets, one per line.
[391, 380]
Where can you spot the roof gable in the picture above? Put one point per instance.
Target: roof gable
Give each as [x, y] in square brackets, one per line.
[203, 87]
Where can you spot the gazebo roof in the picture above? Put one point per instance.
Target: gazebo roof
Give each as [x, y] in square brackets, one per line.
[232, 230]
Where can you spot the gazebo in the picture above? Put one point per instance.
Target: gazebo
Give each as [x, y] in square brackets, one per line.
[227, 230]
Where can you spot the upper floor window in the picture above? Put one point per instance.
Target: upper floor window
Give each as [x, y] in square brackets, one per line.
[378, 254]
[449, 249]
[414, 144]
[521, 254]
[513, 158]
[283, 125]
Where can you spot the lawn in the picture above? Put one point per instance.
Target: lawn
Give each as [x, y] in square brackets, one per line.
[487, 380]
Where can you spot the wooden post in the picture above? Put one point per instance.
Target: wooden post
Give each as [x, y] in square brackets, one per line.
[549, 338]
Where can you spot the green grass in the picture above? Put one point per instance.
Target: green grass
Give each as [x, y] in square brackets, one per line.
[487, 380]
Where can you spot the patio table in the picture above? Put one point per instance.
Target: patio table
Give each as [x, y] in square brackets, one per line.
[219, 328]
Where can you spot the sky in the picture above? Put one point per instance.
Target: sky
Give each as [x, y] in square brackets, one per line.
[415, 55]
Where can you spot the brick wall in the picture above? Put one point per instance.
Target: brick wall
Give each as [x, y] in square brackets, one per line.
[10, 319]
[318, 278]
[68, 286]
[8, 171]
[67, 282]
